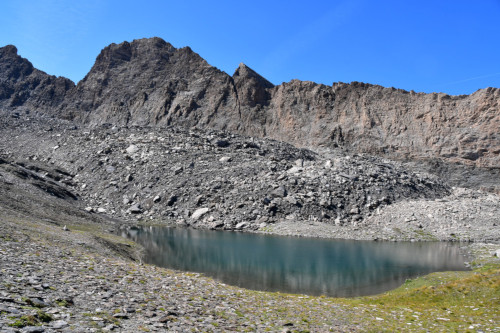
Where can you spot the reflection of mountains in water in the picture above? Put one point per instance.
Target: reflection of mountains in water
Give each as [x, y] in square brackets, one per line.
[300, 265]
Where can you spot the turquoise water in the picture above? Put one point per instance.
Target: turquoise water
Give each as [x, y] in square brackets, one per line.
[310, 266]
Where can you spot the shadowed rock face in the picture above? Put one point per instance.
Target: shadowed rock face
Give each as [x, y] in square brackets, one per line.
[149, 82]
[25, 88]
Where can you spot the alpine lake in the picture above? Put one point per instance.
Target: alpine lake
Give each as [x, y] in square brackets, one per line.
[300, 265]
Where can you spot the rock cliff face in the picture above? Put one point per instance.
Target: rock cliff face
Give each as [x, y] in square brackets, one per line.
[27, 89]
[149, 82]
[388, 121]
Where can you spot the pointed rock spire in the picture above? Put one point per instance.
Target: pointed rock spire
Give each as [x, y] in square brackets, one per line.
[244, 72]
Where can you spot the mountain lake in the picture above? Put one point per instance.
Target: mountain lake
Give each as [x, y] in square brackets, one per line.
[300, 265]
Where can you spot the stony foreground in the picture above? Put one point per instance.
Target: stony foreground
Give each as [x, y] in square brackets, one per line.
[83, 285]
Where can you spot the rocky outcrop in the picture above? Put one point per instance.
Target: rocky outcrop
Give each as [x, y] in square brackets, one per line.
[26, 89]
[149, 82]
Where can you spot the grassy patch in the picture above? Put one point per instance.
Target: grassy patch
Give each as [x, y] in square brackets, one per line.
[424, 235]
[24, 321]
[30, 320]
[451, 301]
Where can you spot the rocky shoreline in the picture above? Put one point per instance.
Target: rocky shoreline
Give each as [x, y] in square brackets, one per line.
[87, 284]
[463, 216]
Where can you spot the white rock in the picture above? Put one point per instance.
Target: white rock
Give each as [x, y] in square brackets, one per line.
[240, 225]
[199, 213]
[132, 149]
[225, 159]
[58, 324]
[294, 170]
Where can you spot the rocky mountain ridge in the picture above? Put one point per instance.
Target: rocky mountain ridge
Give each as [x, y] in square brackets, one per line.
[26, 89]
[148, 82]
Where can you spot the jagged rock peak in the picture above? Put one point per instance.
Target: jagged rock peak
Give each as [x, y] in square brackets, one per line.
[8, 50]
[150, 82]
[13, 66]
[115, 54]
[23, 86]
[245, 72]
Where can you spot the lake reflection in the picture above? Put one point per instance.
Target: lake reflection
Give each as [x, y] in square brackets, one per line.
[311, 266]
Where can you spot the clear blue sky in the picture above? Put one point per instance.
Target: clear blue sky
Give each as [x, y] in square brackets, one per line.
[446, 46]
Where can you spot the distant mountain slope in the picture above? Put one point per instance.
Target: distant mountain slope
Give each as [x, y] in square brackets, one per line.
[149, 82]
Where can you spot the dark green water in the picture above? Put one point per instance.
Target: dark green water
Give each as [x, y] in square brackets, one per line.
[296, 265]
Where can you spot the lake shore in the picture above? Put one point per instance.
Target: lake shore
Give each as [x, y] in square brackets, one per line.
[89, 283]
[463, 216]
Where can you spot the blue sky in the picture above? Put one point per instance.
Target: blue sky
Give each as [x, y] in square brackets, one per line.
[426, 46]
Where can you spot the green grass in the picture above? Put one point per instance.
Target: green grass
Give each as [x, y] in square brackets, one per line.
[425, 235]
[450, 301]
[32, 320]
[25, 321]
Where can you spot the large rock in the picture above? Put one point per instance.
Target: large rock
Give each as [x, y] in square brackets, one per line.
[199, 213]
